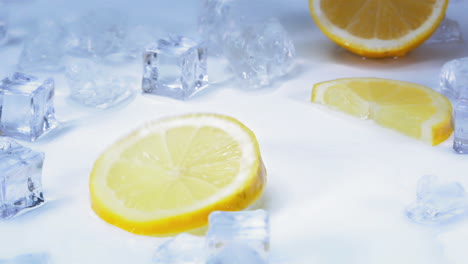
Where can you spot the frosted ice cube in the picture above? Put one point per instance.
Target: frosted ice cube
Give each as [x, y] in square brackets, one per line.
[437, 202]
[214, 22]
[182, 249]
[97, 34]
[244, 234]
[260, 53]
[175, 67]
[453, 82]
[460, 131]
[20, 178]
[92, 86]
[447, 32]
[44, 50]
[27, 109]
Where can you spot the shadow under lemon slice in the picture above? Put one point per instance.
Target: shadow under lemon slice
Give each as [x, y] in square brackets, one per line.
[412, 109]
[169, 175]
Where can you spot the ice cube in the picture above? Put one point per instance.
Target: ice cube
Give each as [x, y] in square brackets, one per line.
[260, 53]
[3, 26]
[243, 234]
[20, 178]
[214, 22]
[92, 86]
[97, 34]
[460, 120]
[175, 67]
[27, 109]
[44, 50]
[182, 249]
[453, 82]
[447, 32]
[437, 202]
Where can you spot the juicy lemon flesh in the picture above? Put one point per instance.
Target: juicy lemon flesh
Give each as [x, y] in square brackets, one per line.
[188, 169]
[378, 28]
[401, 106]
[154, 184]
[382, 19]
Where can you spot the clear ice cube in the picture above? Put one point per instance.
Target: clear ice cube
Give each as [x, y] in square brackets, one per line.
[182, 249]
[45, 49]
[20, 178]
[243, 235]
[437, 202]
[27, 109]
[97, 34]
[175, 67]
[447, 32]
[214, 22]
[453, 82]
[3, 26]
[92, 86]
[260, 53]
[460, 120]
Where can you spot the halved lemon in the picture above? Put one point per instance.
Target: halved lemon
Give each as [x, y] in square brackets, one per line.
[412, 109]
[378, 28]
[169, 175]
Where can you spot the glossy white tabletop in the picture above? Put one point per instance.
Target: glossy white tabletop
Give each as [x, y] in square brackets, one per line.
[337, 186]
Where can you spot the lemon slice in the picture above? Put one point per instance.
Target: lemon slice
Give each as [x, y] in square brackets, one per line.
[168, 176]
[412, 109]
[378, 28]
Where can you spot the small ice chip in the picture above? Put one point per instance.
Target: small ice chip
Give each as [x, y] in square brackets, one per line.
[27, 109]
[437, 202]
[447, 32]
[20, 178]
[453, 80]
[182, 249]
[245, 234]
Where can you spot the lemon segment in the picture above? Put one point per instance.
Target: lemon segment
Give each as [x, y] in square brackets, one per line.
[378, 28]
[412, 109]
[169, 175]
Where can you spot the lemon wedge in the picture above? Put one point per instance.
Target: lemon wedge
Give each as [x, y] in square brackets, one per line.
[169, 175]
[378, 28]
[412, 109]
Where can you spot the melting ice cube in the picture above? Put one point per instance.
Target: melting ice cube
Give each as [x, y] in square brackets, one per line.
[437, 202]
[20, 178]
